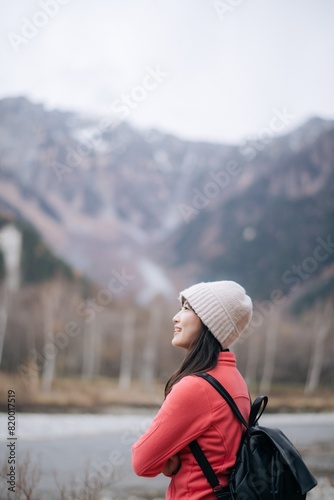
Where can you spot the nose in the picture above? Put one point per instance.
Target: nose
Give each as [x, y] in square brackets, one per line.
[176, 317]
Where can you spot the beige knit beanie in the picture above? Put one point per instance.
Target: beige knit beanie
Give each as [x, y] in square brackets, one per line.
[223, 307]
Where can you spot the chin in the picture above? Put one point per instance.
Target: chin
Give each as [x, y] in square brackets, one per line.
[178, 343]
[175, 343]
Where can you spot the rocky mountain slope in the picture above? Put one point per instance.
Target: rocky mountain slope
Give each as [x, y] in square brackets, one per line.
[108, 197]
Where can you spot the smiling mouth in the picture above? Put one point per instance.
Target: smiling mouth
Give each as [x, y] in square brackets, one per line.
[177, 331]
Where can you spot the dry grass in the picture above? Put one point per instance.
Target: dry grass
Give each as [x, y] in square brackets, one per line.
[78, 394]
[291, 398]
[29, 475]
[28, 479]
[75, 394]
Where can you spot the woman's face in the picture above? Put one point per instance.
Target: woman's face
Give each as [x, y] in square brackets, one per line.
[187, 327]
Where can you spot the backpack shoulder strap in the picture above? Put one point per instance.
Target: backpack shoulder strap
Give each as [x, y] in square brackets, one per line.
[195, 448]
[225, 394]
[207, 469]
[256, 410]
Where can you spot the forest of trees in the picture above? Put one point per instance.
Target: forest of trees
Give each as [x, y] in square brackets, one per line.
[55, 323]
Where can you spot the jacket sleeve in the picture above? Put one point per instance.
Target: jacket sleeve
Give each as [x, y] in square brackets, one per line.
[185, 415]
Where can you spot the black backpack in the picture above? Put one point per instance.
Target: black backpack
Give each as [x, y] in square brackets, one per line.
[268, 466]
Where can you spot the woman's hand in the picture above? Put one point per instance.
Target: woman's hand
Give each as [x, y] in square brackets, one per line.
[172, 466]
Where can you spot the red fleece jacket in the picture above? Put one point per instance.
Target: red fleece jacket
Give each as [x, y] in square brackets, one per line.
[195, 410]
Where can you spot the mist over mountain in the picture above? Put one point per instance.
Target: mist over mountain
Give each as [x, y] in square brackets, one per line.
[166, 211]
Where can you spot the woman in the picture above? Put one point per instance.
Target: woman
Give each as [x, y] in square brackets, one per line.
[212, 317]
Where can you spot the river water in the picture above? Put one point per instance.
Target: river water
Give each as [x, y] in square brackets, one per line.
[75, 451]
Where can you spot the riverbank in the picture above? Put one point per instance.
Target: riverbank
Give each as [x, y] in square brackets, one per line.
[57, 452]
[104, 395]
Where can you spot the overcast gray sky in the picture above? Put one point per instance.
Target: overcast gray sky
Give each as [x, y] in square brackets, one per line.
[217, 69]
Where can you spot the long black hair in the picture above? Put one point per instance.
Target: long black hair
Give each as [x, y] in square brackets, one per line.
[202, 356]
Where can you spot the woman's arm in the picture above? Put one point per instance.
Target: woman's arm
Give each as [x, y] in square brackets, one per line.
[184, 415]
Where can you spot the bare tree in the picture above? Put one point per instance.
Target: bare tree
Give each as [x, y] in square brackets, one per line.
[4, 307]
[253, 354]
[50, 300]
[270, 352]
[89, 349]
[150, 348]
[322, 323]
[10, 244]
[127, 353]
